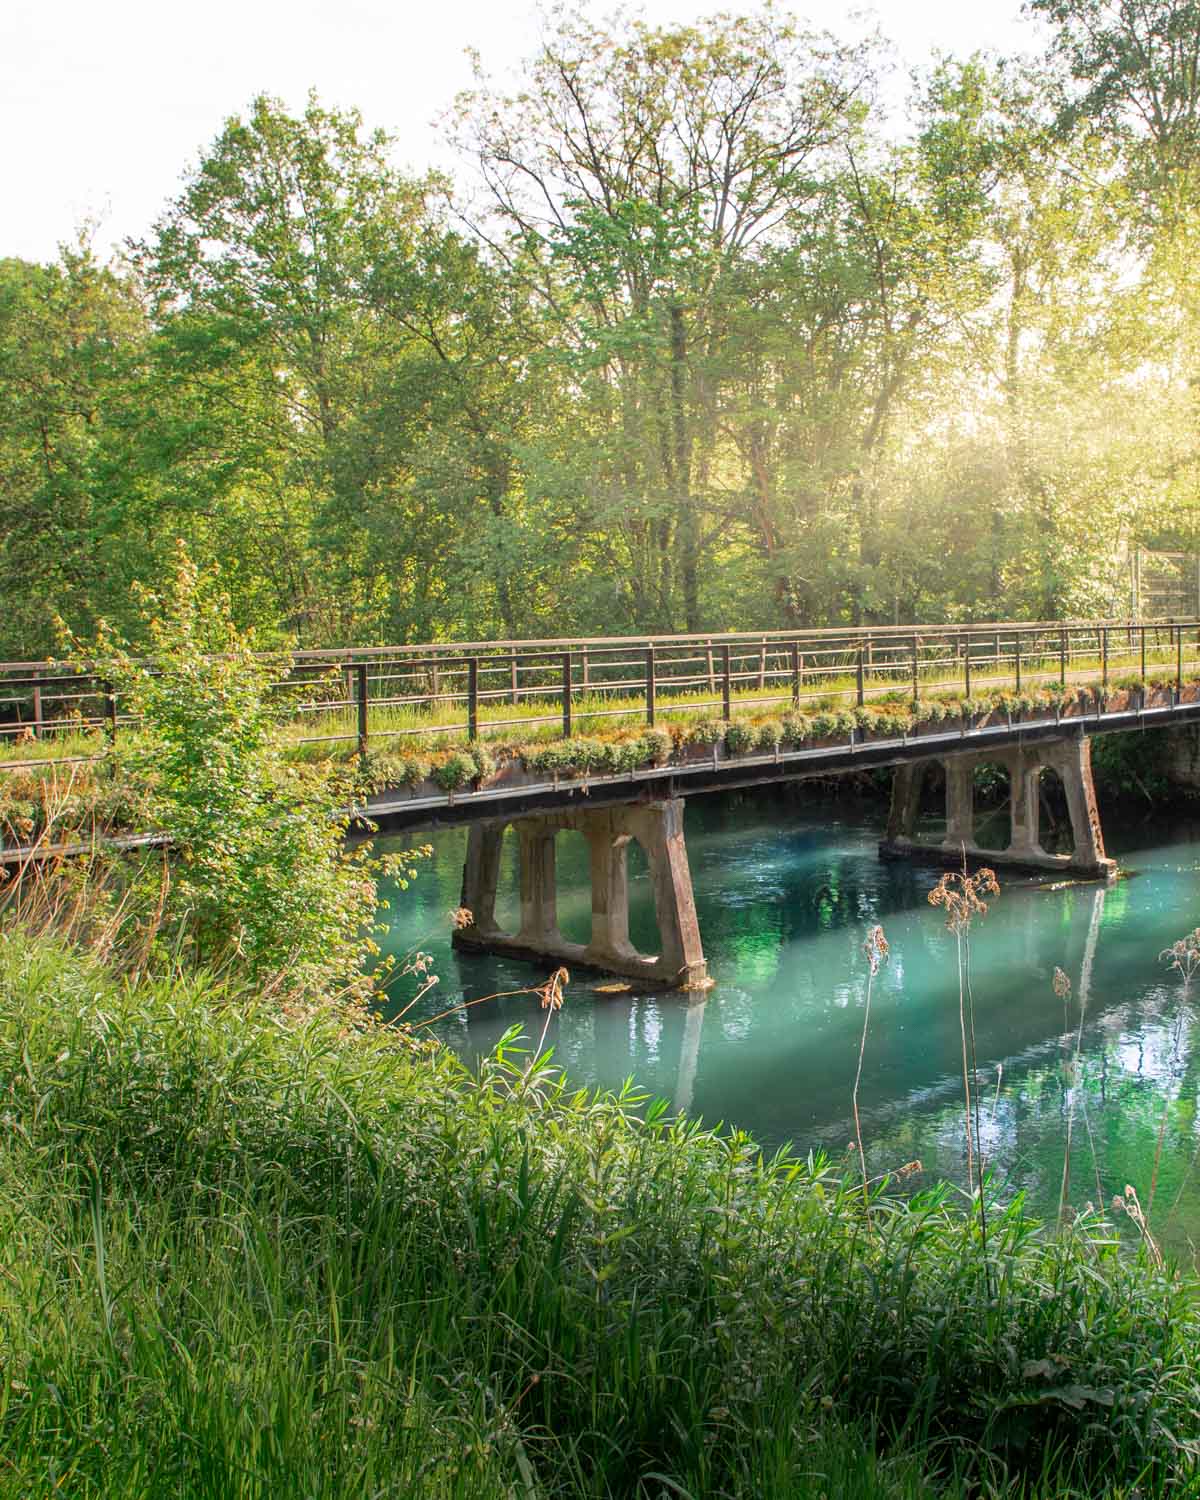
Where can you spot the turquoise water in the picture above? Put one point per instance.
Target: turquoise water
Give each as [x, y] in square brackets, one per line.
[786, 892]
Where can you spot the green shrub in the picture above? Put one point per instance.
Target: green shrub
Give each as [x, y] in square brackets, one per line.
[739, 737]
[454, 770]
[797, 728]
[768, 735]
[706, 732]
[261, 872]
[658, 746]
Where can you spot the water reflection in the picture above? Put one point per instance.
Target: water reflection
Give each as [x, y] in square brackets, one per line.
[785, 892]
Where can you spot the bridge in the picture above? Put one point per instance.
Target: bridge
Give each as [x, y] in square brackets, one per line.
[608, 736]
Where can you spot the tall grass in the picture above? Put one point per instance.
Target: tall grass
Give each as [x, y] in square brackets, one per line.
[250, 1258]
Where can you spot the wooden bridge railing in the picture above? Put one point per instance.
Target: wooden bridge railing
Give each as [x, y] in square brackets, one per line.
[512, 689]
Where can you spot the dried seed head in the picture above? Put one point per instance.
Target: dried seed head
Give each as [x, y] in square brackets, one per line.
[550, 994]
[1061, 984]
[961, 895]
[876, 949]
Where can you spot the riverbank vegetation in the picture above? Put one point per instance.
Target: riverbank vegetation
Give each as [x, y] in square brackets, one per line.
[766, 352]
[246, 1255]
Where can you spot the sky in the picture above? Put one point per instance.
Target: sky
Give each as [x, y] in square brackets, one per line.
[103, 107]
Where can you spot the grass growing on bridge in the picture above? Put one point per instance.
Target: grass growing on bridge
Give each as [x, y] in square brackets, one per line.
[252, 1256]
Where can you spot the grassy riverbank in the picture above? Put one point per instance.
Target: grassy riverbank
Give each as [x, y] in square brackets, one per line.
[254, 1255]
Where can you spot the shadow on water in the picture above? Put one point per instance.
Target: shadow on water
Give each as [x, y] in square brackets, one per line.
[786, 890]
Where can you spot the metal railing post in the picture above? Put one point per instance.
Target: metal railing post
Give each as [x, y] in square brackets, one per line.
[726, 687]
[1179, 659]
[1104, 655]
[110, 712]
[1142, 630]
[861, 684]
[967, 666]
[473, 698]
[1062, 657]
[915, 677]
[566, 695]
[795, 674]
[650, 685]
[360, 673]
[1017, 657]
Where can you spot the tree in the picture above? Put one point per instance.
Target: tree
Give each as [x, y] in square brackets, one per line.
[636, 171]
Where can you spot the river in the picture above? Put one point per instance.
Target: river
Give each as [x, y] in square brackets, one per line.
[787, 889]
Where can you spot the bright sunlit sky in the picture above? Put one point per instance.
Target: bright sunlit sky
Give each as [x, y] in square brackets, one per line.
[102, 106]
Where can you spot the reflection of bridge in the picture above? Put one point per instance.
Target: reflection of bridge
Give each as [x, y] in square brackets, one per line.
[1026, 696]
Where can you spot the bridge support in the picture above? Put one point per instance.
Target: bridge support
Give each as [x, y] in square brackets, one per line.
[1070, 756]
[656, 826]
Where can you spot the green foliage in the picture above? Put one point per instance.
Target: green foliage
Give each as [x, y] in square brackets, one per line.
[377, 1251]
[706, 732]
[797, 728]
[1132, 765]
[260, 874]
[740, 737]
[454, 770]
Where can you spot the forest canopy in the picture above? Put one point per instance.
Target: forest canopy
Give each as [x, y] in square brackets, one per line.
[700, 337]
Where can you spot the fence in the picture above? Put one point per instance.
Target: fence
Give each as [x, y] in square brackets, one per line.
[514, 689]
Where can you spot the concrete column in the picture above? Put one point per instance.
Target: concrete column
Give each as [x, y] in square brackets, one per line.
[907, 780]
[481, 873]
[539, 890]
[610, 895]
[1024, 772]
[658, 827]
[1072, 759]
[960, 802]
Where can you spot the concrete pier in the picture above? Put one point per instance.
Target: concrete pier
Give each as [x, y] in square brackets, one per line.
[1069, 755]
[657, 826]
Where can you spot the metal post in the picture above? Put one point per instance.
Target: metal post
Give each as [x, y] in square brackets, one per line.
[360, 673]
[566, 694]
[762, 667]
[796, 675]
[1017, 657]
[110, 712]
[650, 685]
[473, 698]
[587, 676]
[861, 694]
[1142, 630]
[1104, 655]
[916, 687]
[515, 695]
[725, 683]
[37, 707]
[967, 667]
[1062, 657]
[1179, 659]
